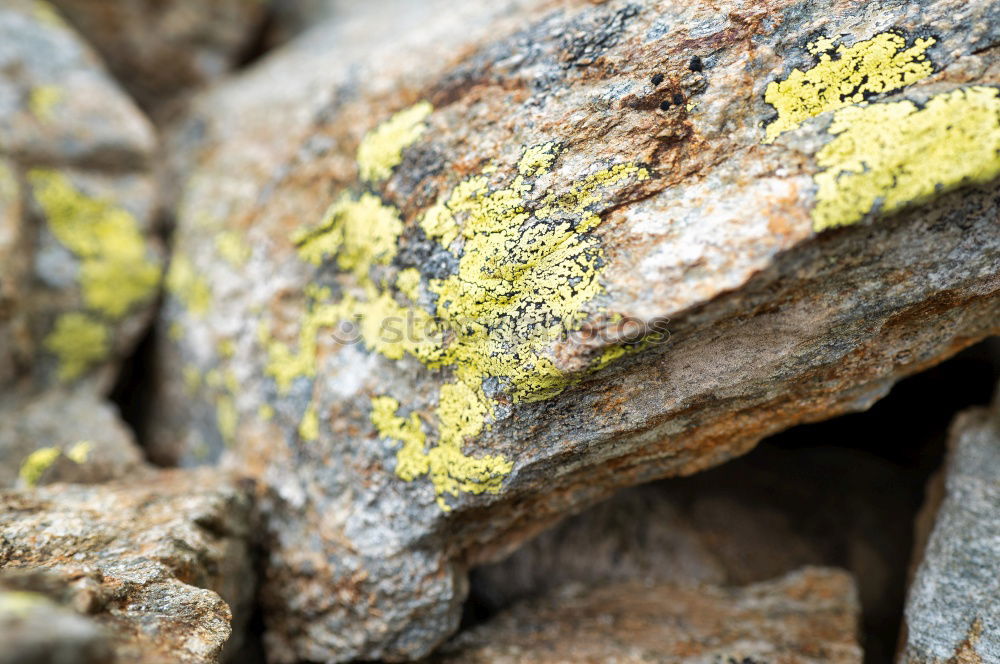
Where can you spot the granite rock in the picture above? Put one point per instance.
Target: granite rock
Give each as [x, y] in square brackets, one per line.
[79, 261]
[162, 566]
[499, 259]
[806, 617]
[953, 608]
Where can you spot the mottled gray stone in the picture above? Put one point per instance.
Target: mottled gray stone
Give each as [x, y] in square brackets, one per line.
[772, 320]
[953, 608]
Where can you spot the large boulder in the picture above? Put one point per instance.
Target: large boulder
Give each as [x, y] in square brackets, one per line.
[161, 566]
[499, 259]
[953, 608]
[79, 261]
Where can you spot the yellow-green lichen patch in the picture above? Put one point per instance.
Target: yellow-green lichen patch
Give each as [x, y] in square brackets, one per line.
[42, 101]
[36, 464]
[309, 425]
[886, 156]
[79, 341]
[19, 603]
[184, 283]
[381, 149]
[226, 418]
[80, 451]
[528, 265]
[115, 274]
[233, 248]
[846, 75]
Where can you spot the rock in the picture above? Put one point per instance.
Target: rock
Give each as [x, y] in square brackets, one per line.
[953, 608]
[485, 271]
[809, 616]
[757, 518]
[163, 566]
[64, 436]
[164, 49]
[36, 630]
[79, 263]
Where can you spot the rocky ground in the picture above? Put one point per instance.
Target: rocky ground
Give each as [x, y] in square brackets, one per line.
[434, 331]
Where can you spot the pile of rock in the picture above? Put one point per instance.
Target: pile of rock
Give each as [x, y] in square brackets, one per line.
[430, 278]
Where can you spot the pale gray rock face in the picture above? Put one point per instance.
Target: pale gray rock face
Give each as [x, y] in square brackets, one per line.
[953, 608]
[79, 263]
[160, 50]
[162, 566]
[806, 617]
[525, 176]
[64, 436]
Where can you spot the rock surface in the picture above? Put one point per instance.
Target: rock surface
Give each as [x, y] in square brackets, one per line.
[401, 307]
[162, 49]
[162, 567]
[953, 608]
[64, 436]
[79, 265]
[806, 617]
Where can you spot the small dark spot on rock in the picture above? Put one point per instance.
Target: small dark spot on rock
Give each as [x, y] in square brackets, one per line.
[678, 98]
[665, 105]
[696, 64]
[657, 79]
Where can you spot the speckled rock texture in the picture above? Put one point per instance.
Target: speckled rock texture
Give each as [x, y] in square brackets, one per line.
[36, 628]
[953, 608]
[162, 567]
[161, 49]
[445, 272]
[64, 436]
[79, 264]
[807, 617]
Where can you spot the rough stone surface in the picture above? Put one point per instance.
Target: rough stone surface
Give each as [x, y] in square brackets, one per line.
[526, 183]
[79, 267]
[161, 49]
[36, 629]
[157, 565]
[809, 616]
[64, 436]
[953, 608]
[754, 519]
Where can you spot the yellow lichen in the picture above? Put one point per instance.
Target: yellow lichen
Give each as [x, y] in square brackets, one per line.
[232, 247]
[42, 101]
[844, 76]
[381, 150]
[19, 603]
[408, 283]
[46, 14]
[265, 412]
[37, 463]
[184, 283]
[79, 341]
[886, 156]
[115, 272]
[309, 426]
[360, 233]
[226, 418]
[80, 451]
[192, 378]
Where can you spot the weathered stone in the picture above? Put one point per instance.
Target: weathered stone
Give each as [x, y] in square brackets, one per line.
[79, 266]
[518, 187]
[34, 629]
[162, 49]
[806, 617]
[154, 563]
[753, 519]
[953, 608]
[64, 436]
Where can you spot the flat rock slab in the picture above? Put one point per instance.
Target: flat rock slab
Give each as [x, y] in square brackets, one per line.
[444, 274]
[807, 617]
[953, 608]
[161, 567]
